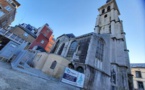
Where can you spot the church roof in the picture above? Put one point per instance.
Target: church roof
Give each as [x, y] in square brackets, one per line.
[137, 65]
[108, 1]
[70, 35]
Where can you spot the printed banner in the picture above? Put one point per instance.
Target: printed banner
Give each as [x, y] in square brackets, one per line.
[73, 77]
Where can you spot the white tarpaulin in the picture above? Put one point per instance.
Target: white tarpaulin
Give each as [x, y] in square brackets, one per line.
[73, 77]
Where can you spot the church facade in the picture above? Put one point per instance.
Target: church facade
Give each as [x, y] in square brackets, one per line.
[101, 55]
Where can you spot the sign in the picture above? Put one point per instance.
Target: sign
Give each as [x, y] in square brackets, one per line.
[73, 77]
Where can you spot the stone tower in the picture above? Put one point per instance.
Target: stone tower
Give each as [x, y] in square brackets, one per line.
[108, 22]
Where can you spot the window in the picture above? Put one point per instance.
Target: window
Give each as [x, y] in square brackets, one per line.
[108, 8]
[72, 49]
[1, 13]
[61, 49]
[8, 8]
[113, 77]
[105, 16]
[55, 47]
[42, 41]
[13, 4]
[140, 85]
[53, 65]
[71, 66]
[100, 49]
[103, 11]
[25, 34]
[80, 69]
[138, 74]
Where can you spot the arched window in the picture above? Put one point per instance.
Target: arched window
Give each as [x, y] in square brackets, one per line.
[61, 49]
[108, 8]
[105, 16]
[72, 49]
[80, 69]
[78, 50]
[103, 11]
[100, 49]
[53, 65]
[71, 66]
[55, 47]
[113, 76]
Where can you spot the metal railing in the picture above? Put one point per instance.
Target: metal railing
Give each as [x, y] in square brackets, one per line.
[11, 36]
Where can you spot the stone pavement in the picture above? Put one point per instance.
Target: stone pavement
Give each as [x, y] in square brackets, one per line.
[14, 80]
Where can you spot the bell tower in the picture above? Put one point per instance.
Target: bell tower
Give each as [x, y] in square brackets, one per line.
[108, 21]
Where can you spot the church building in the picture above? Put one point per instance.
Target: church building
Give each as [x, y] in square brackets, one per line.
[101, 55]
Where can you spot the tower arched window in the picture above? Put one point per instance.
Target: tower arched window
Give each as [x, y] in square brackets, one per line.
[100, 49]
[113, 77]
[105, 16]
[108, 8]
[53, 65]
[55, 47]
[61, 49]
[103, 11]
[72, 49]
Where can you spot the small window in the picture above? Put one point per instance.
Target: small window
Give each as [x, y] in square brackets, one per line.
[8, 8]
[113, 77]
[103, 11]
[138, 74]
[42, 41]
[108, 8]
[1, 13]
[13, 4]
[25, 34]
[53, 65]
[105, 16]
[140, 85]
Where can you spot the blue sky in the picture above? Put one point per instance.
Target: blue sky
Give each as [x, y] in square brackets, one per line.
[79, 17]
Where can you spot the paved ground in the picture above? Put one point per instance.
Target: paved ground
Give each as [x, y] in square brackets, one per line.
[14, 80]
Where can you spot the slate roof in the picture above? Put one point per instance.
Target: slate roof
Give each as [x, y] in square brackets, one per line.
[70, 35]
[137, 65]
[108, 1]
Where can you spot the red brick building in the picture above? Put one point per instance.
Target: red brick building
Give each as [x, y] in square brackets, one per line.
[41, 42]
